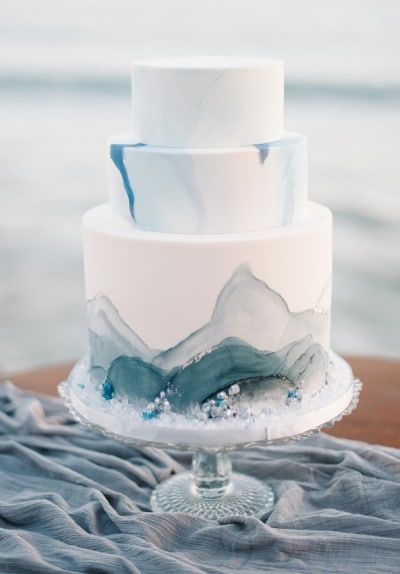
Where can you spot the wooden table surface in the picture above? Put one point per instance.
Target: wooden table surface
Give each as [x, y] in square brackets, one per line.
[376, 420]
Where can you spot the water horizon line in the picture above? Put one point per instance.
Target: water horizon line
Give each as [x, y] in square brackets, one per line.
[119, 85]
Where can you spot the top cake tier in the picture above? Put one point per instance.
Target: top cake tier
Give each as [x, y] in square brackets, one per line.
[200, 103]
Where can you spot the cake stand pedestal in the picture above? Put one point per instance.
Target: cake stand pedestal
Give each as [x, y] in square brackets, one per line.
[211, 489]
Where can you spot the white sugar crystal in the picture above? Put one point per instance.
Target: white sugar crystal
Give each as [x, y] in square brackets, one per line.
[215, 411]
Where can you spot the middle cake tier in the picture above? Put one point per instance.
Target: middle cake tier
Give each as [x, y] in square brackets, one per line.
[211, 190]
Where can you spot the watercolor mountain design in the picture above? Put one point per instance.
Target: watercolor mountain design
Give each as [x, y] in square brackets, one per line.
[252, 336]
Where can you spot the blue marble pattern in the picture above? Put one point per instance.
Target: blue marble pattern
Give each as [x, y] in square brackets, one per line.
[126, 366]
[117, 156]
[184, 190]
[263, 151]
[191, 202]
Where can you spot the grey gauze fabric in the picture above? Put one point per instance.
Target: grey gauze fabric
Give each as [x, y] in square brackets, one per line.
[74, 501]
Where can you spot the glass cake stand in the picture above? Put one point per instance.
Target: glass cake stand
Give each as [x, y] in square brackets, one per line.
[211, 489]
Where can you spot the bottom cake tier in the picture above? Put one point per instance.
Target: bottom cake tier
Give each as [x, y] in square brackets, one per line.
[216, 323]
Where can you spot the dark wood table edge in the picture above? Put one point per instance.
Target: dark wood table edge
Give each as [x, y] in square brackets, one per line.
[376, 420]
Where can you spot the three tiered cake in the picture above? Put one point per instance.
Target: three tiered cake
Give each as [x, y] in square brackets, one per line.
[208, 273]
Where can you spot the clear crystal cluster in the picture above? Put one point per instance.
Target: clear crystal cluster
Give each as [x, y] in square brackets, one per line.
[295, 394]
[223, 405]
[158, 406]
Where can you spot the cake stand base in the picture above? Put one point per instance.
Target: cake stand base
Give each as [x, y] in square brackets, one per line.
[211, 490]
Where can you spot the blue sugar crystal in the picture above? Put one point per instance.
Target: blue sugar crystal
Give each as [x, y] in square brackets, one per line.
[149, 415]
[294, 395]
[107, 390]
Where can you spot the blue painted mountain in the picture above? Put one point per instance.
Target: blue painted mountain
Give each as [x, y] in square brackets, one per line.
[110, 337]
[249, 310]
[252, 336]
[231, 361]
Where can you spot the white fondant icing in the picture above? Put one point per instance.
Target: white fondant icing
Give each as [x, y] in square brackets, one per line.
[207, 103]
[209, 190]
[165, 286]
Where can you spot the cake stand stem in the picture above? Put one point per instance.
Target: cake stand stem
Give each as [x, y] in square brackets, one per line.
[212, 472]
[212, 490]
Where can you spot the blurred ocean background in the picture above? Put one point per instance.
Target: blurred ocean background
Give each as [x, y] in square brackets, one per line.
[64, 88]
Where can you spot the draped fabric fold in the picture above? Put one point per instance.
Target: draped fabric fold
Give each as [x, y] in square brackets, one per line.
[73, 501]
